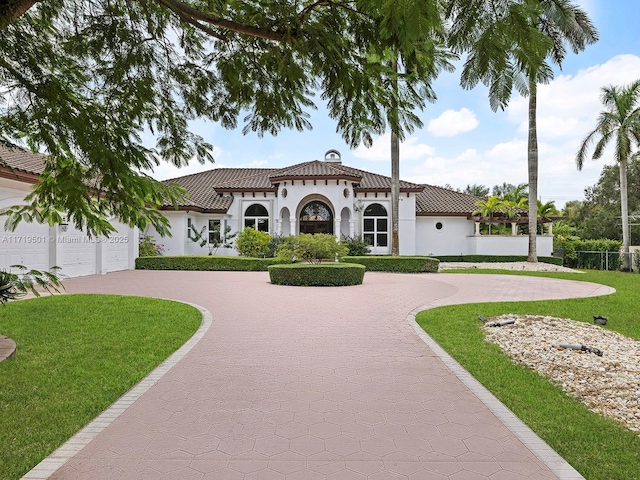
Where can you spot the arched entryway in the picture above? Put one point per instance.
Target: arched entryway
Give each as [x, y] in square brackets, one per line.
[316, 217]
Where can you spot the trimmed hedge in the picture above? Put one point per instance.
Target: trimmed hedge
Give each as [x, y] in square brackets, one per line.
[201, 262]
[317, 275]
[388, 263]
[495, 258]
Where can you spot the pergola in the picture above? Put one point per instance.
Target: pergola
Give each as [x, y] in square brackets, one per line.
[514, 221]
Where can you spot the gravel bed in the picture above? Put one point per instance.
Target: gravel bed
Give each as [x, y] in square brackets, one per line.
[607, 384]
[528, 266]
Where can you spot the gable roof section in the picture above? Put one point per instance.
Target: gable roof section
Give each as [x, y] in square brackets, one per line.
[442, 201]
[317, 170]
[21, 164]
[202, 188]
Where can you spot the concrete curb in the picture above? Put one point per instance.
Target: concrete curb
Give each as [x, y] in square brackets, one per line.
[558, 465]
[67, 450]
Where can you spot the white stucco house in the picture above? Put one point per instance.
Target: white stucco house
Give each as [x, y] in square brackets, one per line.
[40, 246]
[329, 197]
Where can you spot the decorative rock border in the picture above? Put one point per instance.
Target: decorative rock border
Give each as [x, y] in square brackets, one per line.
[7, 348]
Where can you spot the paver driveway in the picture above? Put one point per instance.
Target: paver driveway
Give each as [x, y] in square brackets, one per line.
[313, 383]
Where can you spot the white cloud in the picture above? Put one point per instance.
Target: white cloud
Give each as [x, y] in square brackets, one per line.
[569, 105]
[452, 122]
[410, 149]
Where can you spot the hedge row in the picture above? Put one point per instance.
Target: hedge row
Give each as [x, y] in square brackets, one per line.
[495, 258]
[318, 275]
[222, 263]
[386, 263]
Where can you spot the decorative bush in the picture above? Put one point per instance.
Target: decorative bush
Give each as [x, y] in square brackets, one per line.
[317, 275]
[495, 258]
[16, 285]
[356, 245]
[253, 243]
[386, 263]
[571, 245]
[274, 243]
[147, 247]
[237, 264]
[312, 248]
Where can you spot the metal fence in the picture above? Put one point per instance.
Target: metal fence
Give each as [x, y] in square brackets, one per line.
[608, 260]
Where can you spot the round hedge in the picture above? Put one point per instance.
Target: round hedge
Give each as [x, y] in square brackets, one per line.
[317, 275]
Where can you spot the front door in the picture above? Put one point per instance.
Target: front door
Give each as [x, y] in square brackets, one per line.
[316, 217]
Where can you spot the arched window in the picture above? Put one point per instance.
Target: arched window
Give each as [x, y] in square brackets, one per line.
[376, 225]
[316, 217]
[256, 216]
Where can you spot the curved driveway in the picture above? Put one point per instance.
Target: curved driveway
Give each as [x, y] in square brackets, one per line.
[295, 383]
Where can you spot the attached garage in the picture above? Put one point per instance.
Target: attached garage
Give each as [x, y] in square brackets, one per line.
[38, 246]
[27, 245]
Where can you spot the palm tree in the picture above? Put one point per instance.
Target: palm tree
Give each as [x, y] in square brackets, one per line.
[424, 60]
[620, 121]
[509, 42]
[518, 195]
[489, 207]
[545, 210]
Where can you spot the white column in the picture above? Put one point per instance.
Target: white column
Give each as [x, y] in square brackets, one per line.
[550, 229]
[352, 228]
[477, 228]
[336, 228]
[292, 226]
[514, 229]
[279, 226]
[55, 256]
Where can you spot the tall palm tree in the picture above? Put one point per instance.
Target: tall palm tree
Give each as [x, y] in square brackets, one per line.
[509, 43]
[620, 122]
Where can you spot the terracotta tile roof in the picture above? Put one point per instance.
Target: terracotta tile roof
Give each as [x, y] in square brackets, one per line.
[316, 169]
[376, 182]
[209, 190]
[201, 187]
[21, 160]
[364, 180]
[441, 201]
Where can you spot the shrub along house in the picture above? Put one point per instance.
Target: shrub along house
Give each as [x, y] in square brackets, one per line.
[40, 246]
[329, 197]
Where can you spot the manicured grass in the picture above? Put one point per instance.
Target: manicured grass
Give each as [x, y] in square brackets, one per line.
[77, 354]
[597, 447]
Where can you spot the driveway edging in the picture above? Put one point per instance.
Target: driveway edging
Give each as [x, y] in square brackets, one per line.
[49, 465]
[558, 465]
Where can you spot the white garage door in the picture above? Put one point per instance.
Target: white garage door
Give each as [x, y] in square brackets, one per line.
[77, 253]
[116, 249]
[28, 245]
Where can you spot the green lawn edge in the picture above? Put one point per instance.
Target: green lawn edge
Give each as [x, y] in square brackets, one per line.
[599, 448]
[76, 355]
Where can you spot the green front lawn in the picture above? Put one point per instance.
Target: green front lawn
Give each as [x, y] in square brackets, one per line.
[597, 447]
[76, 355]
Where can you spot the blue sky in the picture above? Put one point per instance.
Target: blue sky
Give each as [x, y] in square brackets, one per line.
[463, 141]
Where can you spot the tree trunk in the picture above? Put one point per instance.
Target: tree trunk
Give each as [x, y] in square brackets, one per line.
[395, 194]
[532, 162]
[11, 10]
[395, 175]
[624, 207]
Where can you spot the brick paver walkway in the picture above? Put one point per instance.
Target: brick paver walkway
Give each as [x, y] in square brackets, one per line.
[293, 383]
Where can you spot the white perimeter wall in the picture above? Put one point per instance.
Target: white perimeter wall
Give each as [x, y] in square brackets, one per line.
[452, 239]
[456, 238]
[509, 245]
